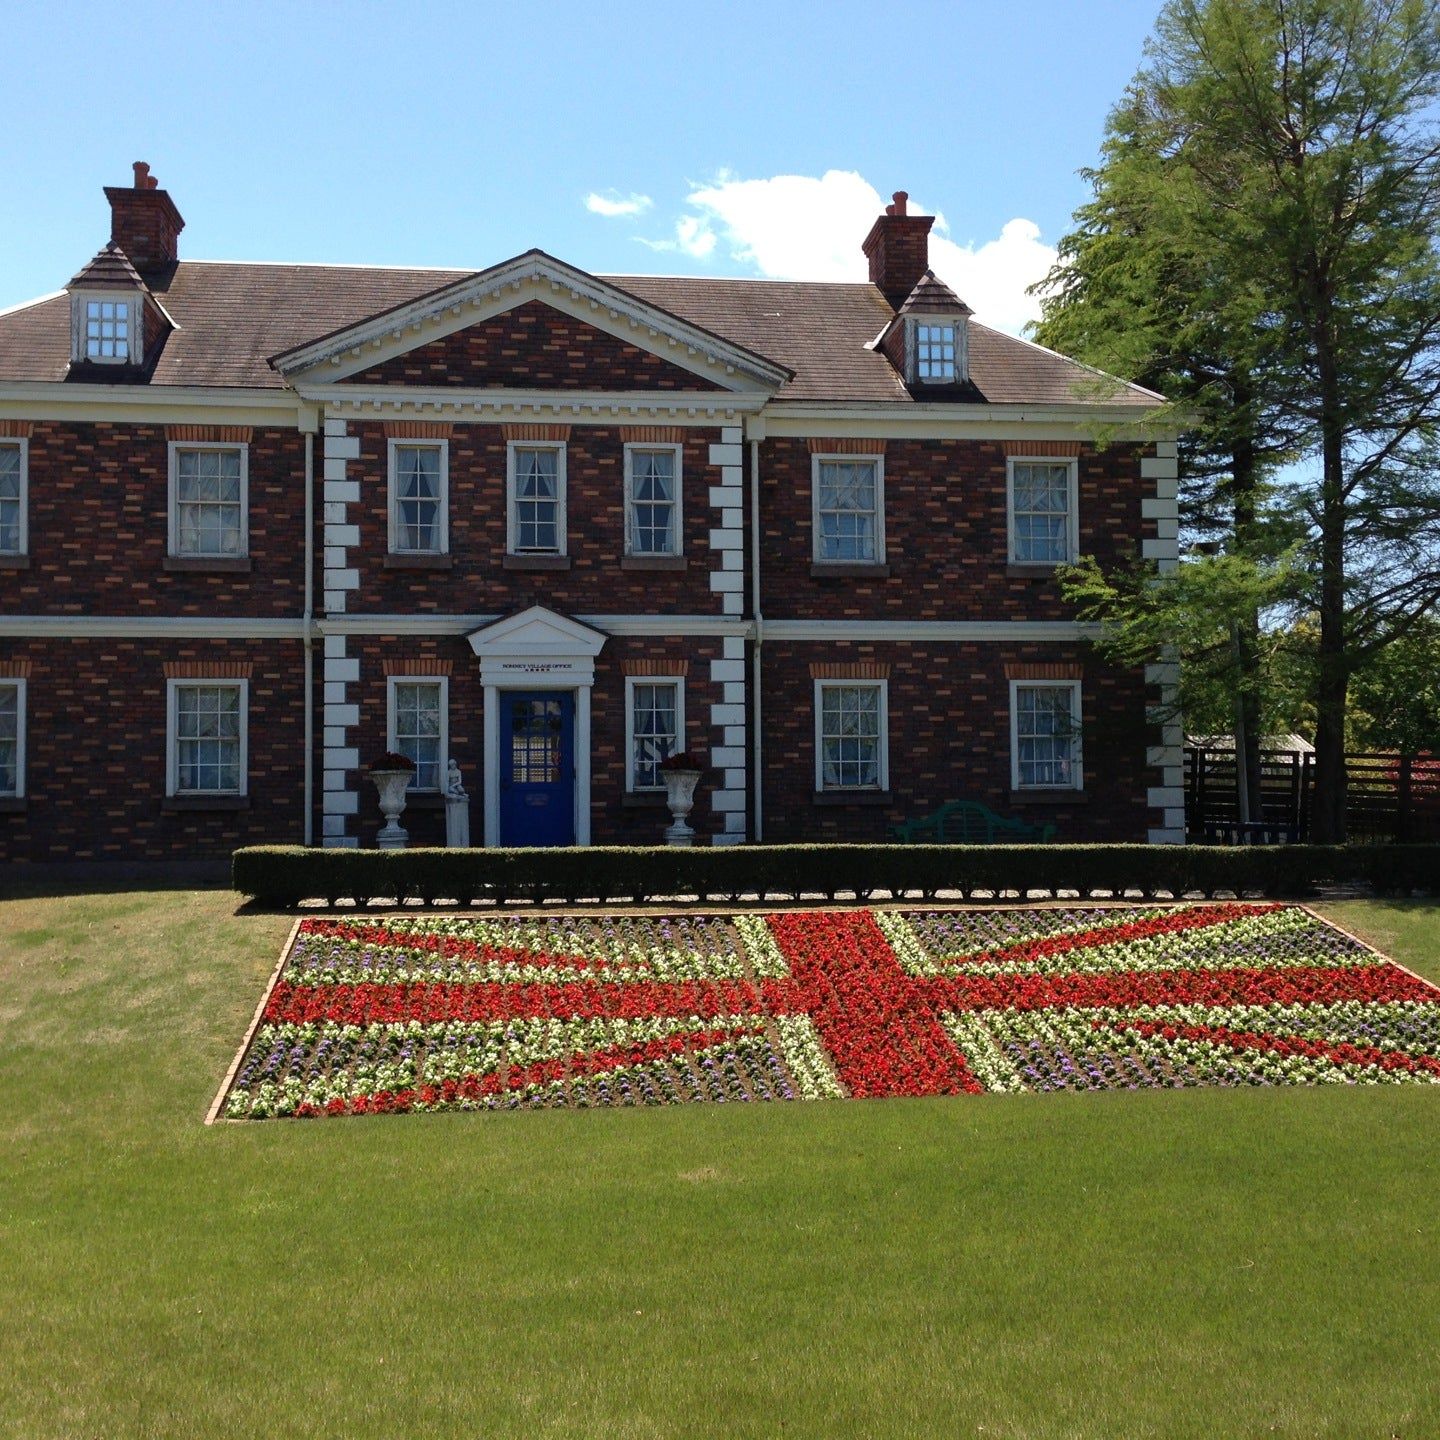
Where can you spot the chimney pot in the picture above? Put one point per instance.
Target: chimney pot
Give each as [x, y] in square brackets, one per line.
[142, 171]
[901, 199]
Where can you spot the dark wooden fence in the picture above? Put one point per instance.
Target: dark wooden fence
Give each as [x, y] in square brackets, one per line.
[1390, 797]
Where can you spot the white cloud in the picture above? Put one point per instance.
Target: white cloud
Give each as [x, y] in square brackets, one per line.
[992, 277]
[801, 227]
[613, 205]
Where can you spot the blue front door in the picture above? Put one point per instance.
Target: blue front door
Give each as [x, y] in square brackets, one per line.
[537, 767]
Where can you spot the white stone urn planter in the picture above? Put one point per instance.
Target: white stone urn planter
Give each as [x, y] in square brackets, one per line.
[680, 781]
[392, 780]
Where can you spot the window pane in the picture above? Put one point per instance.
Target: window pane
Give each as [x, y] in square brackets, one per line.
[1040, 504]
[651, 520]
[846, 510]
[207, 738]
[107, 330]
[9, 739]
[209, 516]
[417, 730]
[1046, 735]
[9, 499]
[935, 352]
[417, 497]
[850, 736]
[654, 722]
[537, 502]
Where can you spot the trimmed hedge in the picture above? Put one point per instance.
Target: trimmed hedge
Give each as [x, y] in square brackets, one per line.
[286, 875]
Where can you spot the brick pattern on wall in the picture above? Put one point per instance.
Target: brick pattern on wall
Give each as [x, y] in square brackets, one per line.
[533, 347]
[949, 739]
[95, 751]
[614, 821]
[845, 445]
[99, 528]
[208, 669]
[211, 434]
[946, 544]
[475, 581]
[1056, 449]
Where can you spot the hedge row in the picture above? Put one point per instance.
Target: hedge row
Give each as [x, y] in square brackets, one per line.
[286, 875]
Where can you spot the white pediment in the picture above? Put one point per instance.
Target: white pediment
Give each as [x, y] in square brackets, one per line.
[531, 276]
[536, 633]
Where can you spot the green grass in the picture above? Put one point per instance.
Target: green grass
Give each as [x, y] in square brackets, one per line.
[1168, 1263]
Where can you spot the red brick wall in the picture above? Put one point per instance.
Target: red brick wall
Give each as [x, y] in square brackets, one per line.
[595, 583]
[945, 534]
[950, 740]
[533, 347]
[612, 820]
[99, 528]
[95, 752]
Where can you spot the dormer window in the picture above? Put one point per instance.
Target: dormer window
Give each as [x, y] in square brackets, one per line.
[107, 331]
[934, 353]
[106, 327]
[935, 349]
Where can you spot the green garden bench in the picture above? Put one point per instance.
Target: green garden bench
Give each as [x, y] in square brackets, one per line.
[968, 822]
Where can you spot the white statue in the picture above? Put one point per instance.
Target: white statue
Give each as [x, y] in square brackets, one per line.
[457, 808]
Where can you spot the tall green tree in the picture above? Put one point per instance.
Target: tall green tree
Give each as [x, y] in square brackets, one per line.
[1290, 173]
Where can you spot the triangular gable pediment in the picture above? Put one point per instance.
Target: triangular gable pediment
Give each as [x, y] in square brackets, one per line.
[368, 348]
[536, 634]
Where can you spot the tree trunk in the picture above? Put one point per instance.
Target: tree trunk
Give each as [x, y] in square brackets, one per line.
[1327, 823]
[1247, 639]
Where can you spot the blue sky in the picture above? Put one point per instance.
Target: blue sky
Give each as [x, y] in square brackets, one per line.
[737, 139]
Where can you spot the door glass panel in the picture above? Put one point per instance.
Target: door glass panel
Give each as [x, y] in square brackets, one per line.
[535, 742]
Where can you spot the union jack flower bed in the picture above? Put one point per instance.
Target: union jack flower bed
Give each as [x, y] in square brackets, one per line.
[509, 1012]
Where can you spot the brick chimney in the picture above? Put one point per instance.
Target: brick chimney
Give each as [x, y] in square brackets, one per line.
[144, 222]
[898, 249]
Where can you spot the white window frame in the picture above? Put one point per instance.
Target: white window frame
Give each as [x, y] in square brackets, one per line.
[960, 325]
[442, 525]
[81, 300]
[23, 445]
[631, 681]
[1072, 533]
[677, 538]
[957, 323]
[391, 740]
[512, 448]
[1077, 764]
[18, 793]
[816, 461]
[173, 543]
[172, 733]
[883, 778]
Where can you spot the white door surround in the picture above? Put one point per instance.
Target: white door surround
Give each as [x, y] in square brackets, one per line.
[537, 649]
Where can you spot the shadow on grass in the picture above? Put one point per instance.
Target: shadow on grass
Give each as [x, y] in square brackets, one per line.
[44, 880]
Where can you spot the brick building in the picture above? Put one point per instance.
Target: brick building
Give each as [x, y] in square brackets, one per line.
[259, 523]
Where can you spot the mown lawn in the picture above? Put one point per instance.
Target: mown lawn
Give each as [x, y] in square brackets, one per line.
[1168, 1263]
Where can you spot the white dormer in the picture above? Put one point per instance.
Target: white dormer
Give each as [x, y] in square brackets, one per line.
[928, 340]
[107, 312]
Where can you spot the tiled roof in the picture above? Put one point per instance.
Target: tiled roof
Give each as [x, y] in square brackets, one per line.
[933, 296]
[231, 317]
[111, 268]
